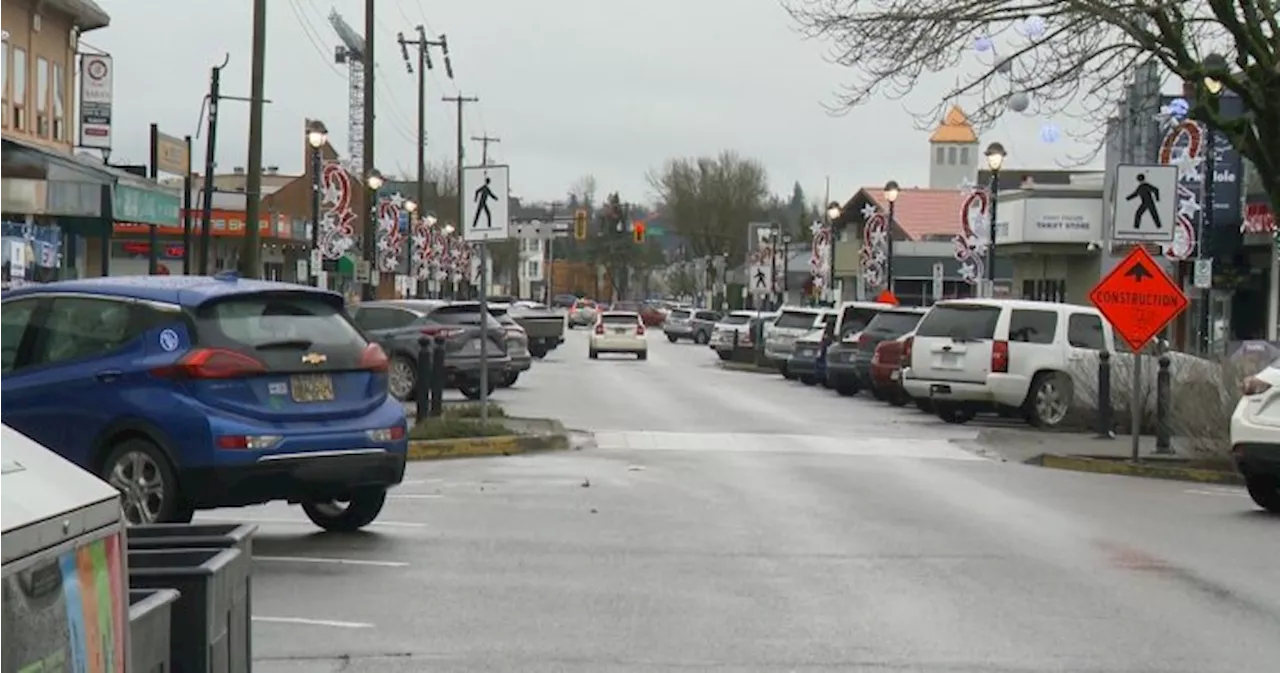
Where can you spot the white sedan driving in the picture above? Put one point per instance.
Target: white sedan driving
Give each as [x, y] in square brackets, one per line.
[619, 332]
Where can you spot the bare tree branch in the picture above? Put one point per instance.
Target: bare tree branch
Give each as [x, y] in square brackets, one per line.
[1081, 60]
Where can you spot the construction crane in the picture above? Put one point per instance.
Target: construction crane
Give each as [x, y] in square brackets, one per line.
[351, 52]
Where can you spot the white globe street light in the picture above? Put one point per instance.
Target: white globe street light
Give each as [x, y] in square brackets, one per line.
[317, 134]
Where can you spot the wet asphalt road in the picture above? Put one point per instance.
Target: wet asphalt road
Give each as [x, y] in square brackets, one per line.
[729, 521]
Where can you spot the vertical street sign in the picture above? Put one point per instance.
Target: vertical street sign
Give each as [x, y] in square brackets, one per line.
[485, 191]
[96, 93]
[938, 278]
[1138, 298]
[1146, 203]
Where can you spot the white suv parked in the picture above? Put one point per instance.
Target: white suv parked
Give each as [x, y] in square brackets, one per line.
[1003, 355]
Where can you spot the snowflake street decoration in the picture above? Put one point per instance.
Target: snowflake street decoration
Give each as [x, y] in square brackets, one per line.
[1177, 108]
[875, 242]
[967, 186]
[820, 254]
[1033, 27]
[973, 239]
[337, 220]
[390, 242]
[1050, 133]
[983, 44]
[1184, 146]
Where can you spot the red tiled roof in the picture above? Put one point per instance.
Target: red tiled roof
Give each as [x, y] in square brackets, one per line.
[922, 213]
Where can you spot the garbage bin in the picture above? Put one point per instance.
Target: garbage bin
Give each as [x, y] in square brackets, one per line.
[209, 536]
[212, 582]
[149, 623]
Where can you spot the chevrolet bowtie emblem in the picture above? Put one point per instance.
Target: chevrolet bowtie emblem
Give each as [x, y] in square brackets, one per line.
[314, 358]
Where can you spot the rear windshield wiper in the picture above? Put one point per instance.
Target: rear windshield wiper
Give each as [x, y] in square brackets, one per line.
[285, 344]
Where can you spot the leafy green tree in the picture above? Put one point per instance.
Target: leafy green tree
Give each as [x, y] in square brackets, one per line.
[1072, 54]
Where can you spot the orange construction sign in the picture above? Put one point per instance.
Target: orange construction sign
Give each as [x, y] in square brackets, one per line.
[1138, 298]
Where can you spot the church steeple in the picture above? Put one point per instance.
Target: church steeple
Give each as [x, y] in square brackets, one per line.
[953, 150]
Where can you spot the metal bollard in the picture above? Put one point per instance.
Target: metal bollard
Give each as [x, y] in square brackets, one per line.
[734, 353]
[1164, 404]
[437, 378]
[422, 391]
[1105, 425]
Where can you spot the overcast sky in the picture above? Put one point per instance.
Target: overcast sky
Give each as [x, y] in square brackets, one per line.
[572, 87]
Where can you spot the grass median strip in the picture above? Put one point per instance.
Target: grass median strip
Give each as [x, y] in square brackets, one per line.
[1152, 470]
[462, 437]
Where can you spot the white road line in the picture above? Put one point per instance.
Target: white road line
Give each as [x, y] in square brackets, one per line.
[412, 482]
[1224, 493]
[313, 622]
[414, 496]
[305, 522]
[335, 561]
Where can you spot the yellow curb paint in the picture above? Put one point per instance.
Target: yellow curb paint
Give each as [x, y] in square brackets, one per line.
[1150, 471]
[478, 447]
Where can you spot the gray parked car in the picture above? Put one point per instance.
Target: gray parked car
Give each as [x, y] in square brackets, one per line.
[517, 344]
[398, 326]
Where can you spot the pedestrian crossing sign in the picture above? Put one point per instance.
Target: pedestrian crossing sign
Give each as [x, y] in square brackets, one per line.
[485, 195]
[1145, 203]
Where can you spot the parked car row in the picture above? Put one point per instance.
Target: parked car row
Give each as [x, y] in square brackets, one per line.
[515, 334]
[957, 359]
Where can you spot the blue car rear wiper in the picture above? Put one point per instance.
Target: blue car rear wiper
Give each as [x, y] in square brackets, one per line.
[285, 344]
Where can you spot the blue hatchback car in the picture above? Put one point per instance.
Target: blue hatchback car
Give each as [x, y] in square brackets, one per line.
[195, 392]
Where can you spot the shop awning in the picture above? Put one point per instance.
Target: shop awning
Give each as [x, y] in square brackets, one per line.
[40, 181]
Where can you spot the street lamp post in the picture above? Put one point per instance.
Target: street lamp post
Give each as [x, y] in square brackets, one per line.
[995, 159]
[317, 138]
[890, 195]
[833, 214]
[411, 207]
[1215, 65]
[374, 182]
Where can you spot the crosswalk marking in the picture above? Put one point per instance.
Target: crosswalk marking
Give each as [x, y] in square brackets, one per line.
[782, 443]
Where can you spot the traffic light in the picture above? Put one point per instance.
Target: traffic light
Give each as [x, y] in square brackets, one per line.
[580, 225]
[637, 231]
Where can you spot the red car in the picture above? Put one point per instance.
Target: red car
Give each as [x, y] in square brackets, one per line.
[886, 372]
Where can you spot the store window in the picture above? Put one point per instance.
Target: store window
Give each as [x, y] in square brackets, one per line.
[59, 102]
[19, 89]
[42, 97]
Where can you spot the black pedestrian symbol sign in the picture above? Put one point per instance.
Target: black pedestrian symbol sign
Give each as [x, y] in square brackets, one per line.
[1149, 197]
[486, 194]
[482, 198]
[760, 278]
[1144, 198]
[1138, 272]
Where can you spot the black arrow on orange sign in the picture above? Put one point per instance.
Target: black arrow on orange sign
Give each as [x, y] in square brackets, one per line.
[1138, 272]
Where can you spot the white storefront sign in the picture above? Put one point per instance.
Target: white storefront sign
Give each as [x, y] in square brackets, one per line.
[1049, 220]
[96, 73]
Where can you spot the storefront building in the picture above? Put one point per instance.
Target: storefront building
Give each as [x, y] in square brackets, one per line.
[284, 239]
[1053, 237]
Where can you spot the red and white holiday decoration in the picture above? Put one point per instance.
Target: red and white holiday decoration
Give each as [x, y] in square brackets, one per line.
[974, 238]
[337, 219]
[875, 245]
[820, 255]
[1184, 147]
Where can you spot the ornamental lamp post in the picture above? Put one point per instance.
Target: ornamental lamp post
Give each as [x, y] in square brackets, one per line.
[411, 207]
[995, 159]
[890, 195]
[833, 214]
[374, 182]
[317, 138]
[1215, 65]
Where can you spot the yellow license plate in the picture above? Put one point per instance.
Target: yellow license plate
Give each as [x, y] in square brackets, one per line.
[311, 388]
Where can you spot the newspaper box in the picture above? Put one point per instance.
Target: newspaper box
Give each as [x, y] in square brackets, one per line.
[65, 593]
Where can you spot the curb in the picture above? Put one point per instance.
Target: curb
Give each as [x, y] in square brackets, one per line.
[478, 447]
[751, 368]
[1128, 469]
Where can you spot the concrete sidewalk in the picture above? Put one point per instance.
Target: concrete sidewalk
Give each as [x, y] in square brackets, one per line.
[1023, 444]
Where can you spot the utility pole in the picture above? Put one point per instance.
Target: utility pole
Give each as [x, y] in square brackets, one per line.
[370, 236]
[549, 265]
[462, 199]
[250, 254]
[424, 64]
[484, 147]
